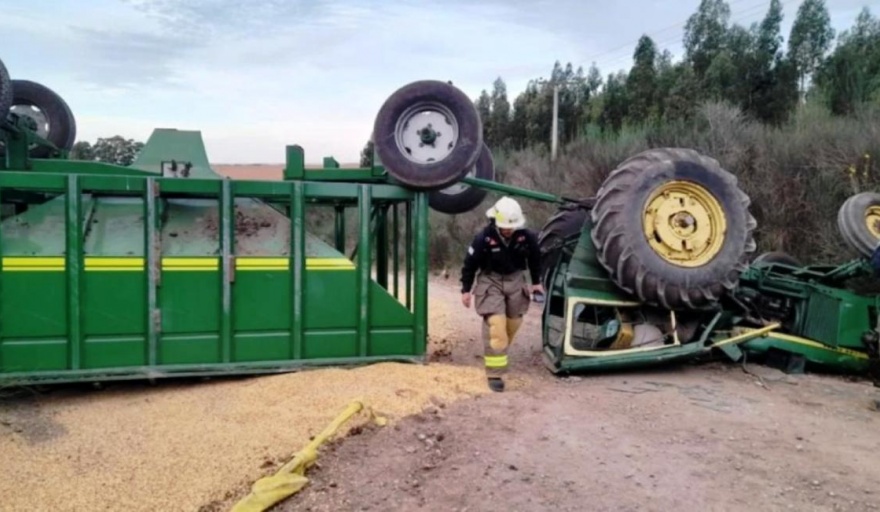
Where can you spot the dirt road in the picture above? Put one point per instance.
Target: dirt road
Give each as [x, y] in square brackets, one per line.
[710, 437]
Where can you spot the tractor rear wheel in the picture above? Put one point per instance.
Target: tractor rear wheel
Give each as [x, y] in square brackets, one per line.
[673, 228]
[50, 113]
[858, 221]
[428, 135]
[461, 197]
[5, 92]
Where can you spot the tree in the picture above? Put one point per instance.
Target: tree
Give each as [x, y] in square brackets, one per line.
[116, 150]
[810, 38]
[82, 150]
[642, 81]
[850, 76]
[616, 103]
[704, 34]
[367, 154]
[497, 135]
[773, 85]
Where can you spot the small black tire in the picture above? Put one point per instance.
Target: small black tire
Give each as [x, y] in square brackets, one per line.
[461, 197]
[61, 129]
[5, 91]
[623, 247]
[858, 219]
[396, 140]
[780, 257]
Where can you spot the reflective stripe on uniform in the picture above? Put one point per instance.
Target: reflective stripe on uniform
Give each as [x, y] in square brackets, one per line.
[496, 361]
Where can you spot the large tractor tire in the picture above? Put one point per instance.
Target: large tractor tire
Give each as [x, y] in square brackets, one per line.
[461, 197]
[428, 135]
[673, 228]
[5, 92]
[50, 113]
[858, 221]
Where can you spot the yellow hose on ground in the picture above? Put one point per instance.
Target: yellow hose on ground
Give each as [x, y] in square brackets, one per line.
[288, 480]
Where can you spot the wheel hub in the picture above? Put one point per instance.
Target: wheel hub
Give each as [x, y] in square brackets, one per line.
[872, 220]
[34, 117]
[426, 133]
[684, 224]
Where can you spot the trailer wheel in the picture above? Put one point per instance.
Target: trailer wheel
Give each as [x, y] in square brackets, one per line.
[673, 228]
[428, 135]
[5, 92]
[858, 221]
[783, 258]
[50, 113]
[461, 197]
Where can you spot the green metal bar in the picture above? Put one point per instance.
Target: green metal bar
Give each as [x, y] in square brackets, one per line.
[340, 228]
[421, 263]
[297, 267]
[395, 249]
[514, 191]
[409, 253]
[382, 246]
[296, 163]
[74, 270]
[363, 269]
[84, 167]
[227, 271]
[154, 271]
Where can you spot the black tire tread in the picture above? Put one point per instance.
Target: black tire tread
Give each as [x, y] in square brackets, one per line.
[5, 92]
[63, 124]
[626, 265]
[471, 197]
[457, 164]
[851, 222]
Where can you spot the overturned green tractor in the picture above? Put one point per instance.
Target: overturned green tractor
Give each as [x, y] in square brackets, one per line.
[659, 266]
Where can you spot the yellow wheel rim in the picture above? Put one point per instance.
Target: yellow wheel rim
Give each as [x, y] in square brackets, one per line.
[872, 219]
[685, 224]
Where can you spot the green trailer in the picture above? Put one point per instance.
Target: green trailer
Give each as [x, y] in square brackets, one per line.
[165, 268]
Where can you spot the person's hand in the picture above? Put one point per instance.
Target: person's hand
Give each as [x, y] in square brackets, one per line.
[538, 288]
[466, 299]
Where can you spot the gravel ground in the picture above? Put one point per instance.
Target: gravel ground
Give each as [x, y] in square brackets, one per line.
[687, 437]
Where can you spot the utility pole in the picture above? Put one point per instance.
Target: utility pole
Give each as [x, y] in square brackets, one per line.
[554, 137]
[554, 132]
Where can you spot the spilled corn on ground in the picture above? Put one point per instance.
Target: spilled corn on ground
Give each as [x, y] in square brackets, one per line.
[182, 446]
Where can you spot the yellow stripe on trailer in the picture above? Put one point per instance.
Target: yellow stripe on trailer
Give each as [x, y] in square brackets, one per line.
[171, 264]
[102, 264]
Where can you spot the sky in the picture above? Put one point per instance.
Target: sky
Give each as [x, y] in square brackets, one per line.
[256, 76]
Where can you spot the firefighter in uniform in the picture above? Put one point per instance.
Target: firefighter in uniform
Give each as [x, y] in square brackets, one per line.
[494, 277]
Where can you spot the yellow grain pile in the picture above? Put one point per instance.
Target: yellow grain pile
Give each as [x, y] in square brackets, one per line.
[182, 446]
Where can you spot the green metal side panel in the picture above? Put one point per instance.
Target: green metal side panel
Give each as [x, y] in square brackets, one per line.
[228, 294]
[833, 358]
[165, 145]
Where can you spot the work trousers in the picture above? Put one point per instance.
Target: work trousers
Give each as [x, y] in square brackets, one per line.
[502, 301]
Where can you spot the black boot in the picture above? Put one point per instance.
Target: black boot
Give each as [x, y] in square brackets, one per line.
[496, 384]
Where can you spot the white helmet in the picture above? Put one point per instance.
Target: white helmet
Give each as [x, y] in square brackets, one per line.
[507, 214]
